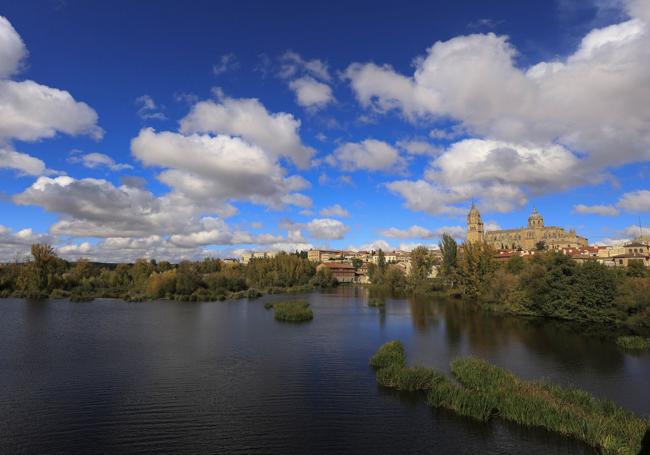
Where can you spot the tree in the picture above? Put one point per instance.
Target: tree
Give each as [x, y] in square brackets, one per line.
[540, 246]
[449, 250]
[475, 268]
[357, 263]
[421, 264]
[39, 277]
[381, 261]
[635, 268]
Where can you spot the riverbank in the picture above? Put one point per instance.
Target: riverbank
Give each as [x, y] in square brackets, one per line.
[482, 391]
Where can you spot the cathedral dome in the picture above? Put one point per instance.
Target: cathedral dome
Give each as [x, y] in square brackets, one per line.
[535, 219]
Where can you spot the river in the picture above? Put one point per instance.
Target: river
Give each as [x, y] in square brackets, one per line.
[116, 377]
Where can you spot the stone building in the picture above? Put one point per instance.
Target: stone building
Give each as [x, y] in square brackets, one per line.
[525, 238]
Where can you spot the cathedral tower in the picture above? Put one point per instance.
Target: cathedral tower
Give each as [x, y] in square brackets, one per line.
[535, 220]
[475, 229]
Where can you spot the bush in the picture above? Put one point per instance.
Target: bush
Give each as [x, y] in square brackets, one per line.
[293, 311]
[633, 343]
[483, 390]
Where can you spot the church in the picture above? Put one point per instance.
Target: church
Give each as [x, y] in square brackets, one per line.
[525, 238]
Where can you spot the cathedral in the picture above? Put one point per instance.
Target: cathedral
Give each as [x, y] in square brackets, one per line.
[525, 238]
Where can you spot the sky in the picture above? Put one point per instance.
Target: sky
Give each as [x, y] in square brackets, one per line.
[179, 130]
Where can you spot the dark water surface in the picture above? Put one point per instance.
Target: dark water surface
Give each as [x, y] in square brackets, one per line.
[116, 377]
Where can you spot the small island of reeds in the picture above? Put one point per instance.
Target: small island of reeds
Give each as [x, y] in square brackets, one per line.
[480, 390]
[293, 311]
[633, 343]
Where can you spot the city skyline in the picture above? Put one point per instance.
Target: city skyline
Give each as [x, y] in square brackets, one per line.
[132, 131]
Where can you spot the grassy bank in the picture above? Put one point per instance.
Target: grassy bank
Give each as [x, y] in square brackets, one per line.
[480, 391]
[633, 343]
[293, 311]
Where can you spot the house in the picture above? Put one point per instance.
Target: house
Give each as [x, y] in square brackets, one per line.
[344, 272]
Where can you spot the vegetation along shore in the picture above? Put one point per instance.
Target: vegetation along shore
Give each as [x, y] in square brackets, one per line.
[483, 391]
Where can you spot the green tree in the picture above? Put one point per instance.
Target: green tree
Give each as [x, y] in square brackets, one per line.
[475, 268]
[635, 268]
[421, 264]
[540, 246]
[449, 250]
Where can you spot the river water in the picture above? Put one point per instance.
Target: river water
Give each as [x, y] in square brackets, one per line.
[115, 377]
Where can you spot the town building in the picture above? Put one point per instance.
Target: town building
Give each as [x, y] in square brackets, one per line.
[246, 257]
[525, 238]
[344, 272]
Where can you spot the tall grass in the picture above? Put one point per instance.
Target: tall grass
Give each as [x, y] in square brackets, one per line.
[480, 390]
[293, 311]
[633, 343]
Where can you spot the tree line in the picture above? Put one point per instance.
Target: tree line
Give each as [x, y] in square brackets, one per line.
[547, 284]
[45, 275]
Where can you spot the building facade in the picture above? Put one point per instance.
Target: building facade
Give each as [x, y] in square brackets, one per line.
[525, 238]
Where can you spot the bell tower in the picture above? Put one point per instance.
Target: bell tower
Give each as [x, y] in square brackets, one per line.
[535, 220]
[475, 230]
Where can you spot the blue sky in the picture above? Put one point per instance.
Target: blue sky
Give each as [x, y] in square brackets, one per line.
[251, 125]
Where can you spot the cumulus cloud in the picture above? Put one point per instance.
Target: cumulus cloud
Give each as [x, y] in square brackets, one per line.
[292, 64]
[218, 168]
[636, 201]
[21, 162]
[96, 160]
[95, 208]
[12, 49]
[426, 197]
[593, 101]
[310, 93]
[372, 246]
[277, 134]
[603, 210]
[370, 154]
[416, 147]
[30, 111]
[16, 245]
[335, 210]
[148, 109]
[326, 229]
[419, 232]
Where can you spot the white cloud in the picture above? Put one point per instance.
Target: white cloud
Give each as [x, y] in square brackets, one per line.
[23, 163]
[148, 109]
[372, 246]
[16, 245]
[603, 210]
[423, 196]
[335, 210]
[96, 160]
[12, 49]
[218, 168]
[227, 62]
[370, 154]
[326, 228]
[292, 64]
[593, 101]
[636, 201]
[30, 111]
[415, 147]
[276, 133]
[419, 232]
[310, 93]
[96, 208]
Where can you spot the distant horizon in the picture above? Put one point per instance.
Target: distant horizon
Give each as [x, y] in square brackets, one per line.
[212, 129]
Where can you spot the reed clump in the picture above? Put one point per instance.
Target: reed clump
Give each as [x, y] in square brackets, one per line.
[293, 311]
[480, 390]
[633, 343]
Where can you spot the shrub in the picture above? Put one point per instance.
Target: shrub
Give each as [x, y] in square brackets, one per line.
[633, 343]
[293, 311]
